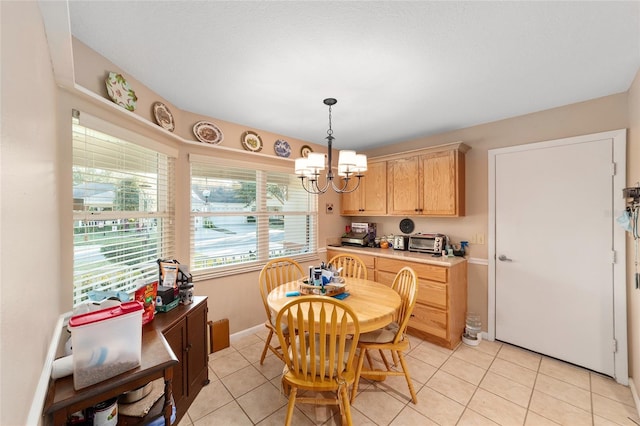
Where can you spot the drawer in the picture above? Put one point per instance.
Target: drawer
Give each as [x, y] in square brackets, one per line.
[423, 270]
[386, 278]
[432, 293]
[430, 320]
[369, 261]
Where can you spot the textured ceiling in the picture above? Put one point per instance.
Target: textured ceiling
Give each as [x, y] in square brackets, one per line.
[400, 70]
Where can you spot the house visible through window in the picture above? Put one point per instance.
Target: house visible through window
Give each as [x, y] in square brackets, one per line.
[243, 215]
[123, 211]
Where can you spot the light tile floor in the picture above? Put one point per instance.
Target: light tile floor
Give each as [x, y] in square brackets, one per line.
[490, 384]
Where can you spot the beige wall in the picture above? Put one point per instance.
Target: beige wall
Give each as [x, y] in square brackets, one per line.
[36, 223]
[633, 177]
[234, 297]
[607, 113]
[29, 221]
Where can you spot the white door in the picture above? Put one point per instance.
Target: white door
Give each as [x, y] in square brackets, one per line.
[553, 245]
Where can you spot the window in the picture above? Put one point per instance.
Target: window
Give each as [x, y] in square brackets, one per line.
[245, 214]
[123, 209]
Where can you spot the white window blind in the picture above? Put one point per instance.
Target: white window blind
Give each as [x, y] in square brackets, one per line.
[243, 215]
[123, 212]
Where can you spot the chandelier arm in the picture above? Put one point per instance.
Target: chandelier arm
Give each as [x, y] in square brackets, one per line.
[344, 189]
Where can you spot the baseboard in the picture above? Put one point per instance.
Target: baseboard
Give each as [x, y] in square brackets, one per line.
[244, 333]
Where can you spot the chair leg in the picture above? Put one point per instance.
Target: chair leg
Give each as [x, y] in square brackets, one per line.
[344, 398]
[414, 398]
[361, 357]
[384, 360]
[369, 360]
[266, 346]
[394, 354]
[291, 406]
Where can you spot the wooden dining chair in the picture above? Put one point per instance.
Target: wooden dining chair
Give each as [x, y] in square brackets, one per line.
[275, 273]
[320, 359]
[352, 266]
[392, 337]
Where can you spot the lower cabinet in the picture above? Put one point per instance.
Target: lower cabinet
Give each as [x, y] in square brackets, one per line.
[439, 314]
[187, 338]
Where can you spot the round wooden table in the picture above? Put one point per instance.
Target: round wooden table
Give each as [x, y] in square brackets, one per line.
[375, 304]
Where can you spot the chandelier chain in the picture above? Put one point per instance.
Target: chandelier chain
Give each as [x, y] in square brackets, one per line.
[330, 130]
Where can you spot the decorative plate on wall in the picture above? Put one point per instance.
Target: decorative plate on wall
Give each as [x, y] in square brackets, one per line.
[305, 150]
[163, 116]
[282, 148]
[251, 141]
[406, 226]
[207, 132]
[120, 92]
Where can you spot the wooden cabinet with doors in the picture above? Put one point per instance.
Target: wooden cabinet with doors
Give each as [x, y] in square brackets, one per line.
[428, 182]
[370, 198]
[439, 314]
[185, 329]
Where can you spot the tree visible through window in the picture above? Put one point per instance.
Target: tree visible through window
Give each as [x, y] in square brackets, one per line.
[123, 213]
[244, 215]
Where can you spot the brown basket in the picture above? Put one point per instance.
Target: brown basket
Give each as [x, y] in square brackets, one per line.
[329, 289]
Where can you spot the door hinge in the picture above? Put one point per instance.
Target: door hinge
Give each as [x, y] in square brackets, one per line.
[613, 256]
[613, 169]
[615, 346]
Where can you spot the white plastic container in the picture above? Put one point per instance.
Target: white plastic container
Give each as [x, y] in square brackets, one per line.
[106, 343]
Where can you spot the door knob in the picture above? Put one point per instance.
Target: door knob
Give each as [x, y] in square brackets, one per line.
[504, 258]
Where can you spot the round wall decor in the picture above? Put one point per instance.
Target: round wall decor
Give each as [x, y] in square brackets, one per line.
[406, 226]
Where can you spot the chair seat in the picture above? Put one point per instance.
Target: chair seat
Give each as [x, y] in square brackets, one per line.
[382, 335]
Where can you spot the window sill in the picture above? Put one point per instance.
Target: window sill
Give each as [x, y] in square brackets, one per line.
[212, 273]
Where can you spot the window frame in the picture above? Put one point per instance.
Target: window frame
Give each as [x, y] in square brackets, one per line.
[262, 214]
[162, 213]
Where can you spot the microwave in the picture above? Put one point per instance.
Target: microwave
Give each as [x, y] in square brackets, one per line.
[427, 243]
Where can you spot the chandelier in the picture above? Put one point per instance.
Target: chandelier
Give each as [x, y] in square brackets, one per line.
[350, 165]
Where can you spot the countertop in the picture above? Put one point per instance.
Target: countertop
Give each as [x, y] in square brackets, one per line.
[400, 254]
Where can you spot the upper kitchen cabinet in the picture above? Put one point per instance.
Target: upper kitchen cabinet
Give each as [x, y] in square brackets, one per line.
[370, 198]
[427, 182]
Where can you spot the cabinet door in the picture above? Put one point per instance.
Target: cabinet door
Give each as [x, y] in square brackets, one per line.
[350, 203]
[196, 349]
[177, 338]
[370, 198]
[403, 177]
[440, 184]
[430, 320]
[374, 190]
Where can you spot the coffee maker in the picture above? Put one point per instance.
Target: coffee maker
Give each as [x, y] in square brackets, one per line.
[360, 234]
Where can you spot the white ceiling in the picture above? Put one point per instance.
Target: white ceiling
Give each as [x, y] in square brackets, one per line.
[400, 70]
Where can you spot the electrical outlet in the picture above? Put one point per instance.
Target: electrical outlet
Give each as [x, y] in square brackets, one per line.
[329, 208]
[480, 238]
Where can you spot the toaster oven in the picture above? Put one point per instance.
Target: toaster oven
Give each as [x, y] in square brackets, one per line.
[427, 243]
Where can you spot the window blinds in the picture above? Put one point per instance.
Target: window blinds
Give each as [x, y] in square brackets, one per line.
[123, 211]
[245, 214]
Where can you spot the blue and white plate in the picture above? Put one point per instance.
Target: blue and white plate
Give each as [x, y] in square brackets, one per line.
[282, 148]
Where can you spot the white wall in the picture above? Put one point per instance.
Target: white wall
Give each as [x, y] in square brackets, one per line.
[29, 218]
